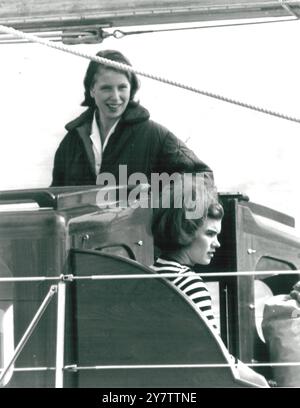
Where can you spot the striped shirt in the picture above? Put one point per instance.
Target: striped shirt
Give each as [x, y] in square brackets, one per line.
[192, 286]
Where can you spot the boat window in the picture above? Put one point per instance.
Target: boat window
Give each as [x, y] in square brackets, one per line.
[270, 285]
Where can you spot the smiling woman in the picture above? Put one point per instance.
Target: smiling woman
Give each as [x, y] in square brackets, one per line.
[115, 130]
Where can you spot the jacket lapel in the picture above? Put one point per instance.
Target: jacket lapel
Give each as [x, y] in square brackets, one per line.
[84, 132]
[118, 142]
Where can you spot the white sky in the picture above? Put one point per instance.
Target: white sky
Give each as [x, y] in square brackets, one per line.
[41, 90]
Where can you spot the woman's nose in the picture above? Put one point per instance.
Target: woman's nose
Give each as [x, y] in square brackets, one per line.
[115, 95]
[216, 243]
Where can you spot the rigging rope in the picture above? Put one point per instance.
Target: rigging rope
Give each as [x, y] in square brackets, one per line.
[123, 67]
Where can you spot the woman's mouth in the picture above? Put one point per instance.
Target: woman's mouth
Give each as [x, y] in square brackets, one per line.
[113, 107]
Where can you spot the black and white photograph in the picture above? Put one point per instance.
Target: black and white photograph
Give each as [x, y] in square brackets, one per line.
[149, 196]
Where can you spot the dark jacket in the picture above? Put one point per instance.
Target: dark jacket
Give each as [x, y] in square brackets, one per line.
[138, 142]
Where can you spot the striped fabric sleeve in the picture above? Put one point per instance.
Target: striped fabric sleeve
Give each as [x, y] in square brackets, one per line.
[191, 285]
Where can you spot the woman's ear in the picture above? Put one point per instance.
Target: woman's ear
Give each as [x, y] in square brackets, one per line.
[92, 93]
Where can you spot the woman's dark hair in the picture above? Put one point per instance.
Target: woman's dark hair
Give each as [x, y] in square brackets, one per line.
[94, 68]
[172, 227]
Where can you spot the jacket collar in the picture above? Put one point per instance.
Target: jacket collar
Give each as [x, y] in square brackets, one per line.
[134, 113]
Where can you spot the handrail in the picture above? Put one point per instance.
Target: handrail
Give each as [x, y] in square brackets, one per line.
[60, 289]
[70, 277]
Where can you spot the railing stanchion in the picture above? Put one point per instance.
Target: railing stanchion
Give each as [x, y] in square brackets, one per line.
[29, 331]
[60, 334]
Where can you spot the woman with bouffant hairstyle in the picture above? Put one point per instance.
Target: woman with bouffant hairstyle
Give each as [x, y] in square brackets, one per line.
[186, 224]
[186, 233]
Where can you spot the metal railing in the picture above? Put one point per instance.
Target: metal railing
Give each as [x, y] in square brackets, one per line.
[59, 289]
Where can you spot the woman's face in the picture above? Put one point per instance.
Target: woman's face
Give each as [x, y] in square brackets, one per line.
[111, 92]
[203, 248]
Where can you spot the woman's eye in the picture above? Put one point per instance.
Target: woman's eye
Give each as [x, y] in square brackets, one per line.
[104, 88]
